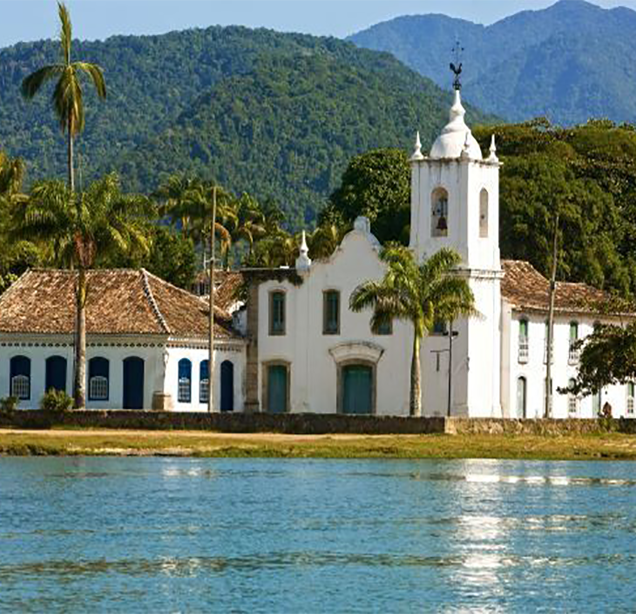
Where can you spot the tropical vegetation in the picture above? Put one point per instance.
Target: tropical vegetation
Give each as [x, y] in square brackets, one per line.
[419, 294]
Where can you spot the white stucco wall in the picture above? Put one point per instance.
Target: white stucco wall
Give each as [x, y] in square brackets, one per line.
[160, 366]
[563, 369]
[314, 356]
[232, 351]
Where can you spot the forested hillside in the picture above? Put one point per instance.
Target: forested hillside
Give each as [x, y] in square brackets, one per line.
[274, 114]
[570, 62]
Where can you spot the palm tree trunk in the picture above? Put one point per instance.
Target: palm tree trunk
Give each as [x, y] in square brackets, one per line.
[71, 171]
[79, 390]
[415, 408]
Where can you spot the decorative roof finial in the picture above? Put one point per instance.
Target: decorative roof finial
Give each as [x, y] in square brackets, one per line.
[457, 65]
[493, 151]
[303, 262]
[466, 149]
[417, 154]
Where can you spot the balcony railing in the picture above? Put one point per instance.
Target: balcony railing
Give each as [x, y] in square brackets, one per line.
[524, 350]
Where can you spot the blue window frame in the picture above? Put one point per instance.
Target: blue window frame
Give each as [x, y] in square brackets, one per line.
[204, 381]
[20, 377]
[184, 394]
[98, 379]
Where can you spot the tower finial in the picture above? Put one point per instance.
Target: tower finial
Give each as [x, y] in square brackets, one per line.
[493, 151]
[456, 65]
[303, 262]
[417, 153]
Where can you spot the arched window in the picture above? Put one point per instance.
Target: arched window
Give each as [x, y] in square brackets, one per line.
[439, 213]
[55, 373]
[227, 385]
[630, 398]
[204, 381]
[573, 355]
[573, 401]
[20, 377]
[98, 376]
[521, 398]
[483, 214]
[185, 381]
[524, 344]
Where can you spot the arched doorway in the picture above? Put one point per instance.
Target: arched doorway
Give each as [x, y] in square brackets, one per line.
[227, 385]
[357, 391]
[55, 377]
[133, 383]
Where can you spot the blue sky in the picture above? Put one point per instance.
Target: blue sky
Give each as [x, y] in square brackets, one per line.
[92, 19]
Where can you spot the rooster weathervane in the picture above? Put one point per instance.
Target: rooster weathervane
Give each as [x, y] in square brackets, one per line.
[456, 66]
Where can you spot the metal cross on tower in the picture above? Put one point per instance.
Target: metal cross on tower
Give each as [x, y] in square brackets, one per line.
[456, 66]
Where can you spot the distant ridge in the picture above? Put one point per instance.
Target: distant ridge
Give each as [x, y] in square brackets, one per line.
[274, 114]
[570, 62]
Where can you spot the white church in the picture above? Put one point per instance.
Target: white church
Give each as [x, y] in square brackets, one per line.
[295, 346]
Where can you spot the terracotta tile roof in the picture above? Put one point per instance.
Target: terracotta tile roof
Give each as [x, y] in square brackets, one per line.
[527, 290]
[225, 294]
[120, 301]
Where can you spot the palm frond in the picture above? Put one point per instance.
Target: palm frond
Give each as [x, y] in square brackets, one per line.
[66, 32]
[96, 73]
[31, 85]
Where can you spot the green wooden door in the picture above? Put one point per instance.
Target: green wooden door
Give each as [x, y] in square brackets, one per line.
[277, 389]
[357, 391]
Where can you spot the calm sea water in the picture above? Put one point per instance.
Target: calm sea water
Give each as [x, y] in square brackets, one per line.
[181, 535]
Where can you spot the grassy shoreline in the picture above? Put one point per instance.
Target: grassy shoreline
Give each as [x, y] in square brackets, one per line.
[63, 442]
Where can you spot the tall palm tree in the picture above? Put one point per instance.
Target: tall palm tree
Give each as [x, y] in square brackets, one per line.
[67, 96]
[419, 294]
[82, 228]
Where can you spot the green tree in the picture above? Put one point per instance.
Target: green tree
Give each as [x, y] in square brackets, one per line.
[608, 357]
[78, 230]
[419, 294]
[376, 184]
[67, 97]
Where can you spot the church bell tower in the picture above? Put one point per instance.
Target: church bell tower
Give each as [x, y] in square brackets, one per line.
[455, 204]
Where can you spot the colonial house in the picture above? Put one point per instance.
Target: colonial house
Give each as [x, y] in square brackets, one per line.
[147, 343]
[290, 343]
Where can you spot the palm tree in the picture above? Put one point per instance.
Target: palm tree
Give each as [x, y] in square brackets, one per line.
[419, 294]
[79, 229]
[325, 240]
[67, 97]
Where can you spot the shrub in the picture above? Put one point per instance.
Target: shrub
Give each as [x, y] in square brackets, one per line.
[56, 401]
[8, 405]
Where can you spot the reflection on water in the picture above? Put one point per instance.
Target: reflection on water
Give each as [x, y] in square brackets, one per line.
[183, 535]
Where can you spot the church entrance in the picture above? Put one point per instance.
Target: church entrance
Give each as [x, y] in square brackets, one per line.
[133, 383]
[357, 389]
[277, 389]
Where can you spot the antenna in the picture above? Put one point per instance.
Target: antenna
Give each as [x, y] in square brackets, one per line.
[456, 66]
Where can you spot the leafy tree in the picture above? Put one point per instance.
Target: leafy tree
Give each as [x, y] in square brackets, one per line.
[67, 97]
[324, 240]
[79, 230]
[608, 357]
[376, 184]
[418, 294]
[171, 257]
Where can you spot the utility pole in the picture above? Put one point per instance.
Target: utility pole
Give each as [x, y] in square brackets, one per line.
[211, 306]
[451, 334]
[550, 331]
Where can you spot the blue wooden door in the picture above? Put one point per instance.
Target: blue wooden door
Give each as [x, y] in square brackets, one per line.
[133, 383]
[227, 385]
[55, 373]
[277, 389]
[357, 392]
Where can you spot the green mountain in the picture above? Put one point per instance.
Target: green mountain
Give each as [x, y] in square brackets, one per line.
[569, 62]
[274, 114]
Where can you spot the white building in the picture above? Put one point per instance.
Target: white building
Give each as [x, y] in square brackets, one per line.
[308, 352]
[146, 343]
[295, 346]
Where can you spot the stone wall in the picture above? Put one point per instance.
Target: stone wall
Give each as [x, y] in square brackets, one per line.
[309, 424]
